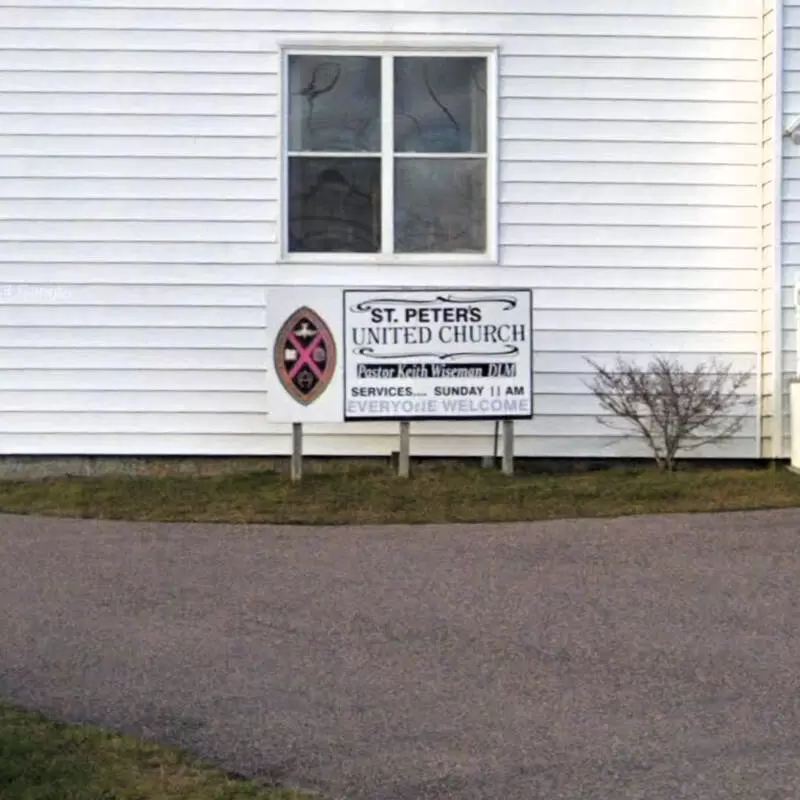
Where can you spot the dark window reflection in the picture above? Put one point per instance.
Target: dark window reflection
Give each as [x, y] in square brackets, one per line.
[440, 205]
[440, 105]
[334, 205]
[334, 103]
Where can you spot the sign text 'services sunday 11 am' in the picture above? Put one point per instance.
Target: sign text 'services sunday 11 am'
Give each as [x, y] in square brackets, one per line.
[437, 354]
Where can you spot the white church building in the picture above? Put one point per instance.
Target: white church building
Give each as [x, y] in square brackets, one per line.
[164, 162]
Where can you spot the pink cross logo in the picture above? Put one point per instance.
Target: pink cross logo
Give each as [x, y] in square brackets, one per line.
[305, 352]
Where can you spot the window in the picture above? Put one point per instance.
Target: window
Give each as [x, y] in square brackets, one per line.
[387, 154]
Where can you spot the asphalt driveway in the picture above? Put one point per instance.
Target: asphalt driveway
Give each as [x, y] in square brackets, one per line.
[653, 658]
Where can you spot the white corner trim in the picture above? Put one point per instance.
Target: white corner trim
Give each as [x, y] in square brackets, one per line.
[777, 242]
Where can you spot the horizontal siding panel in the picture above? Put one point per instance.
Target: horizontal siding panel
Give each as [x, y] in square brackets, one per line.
[624, 109]
[628, 271]
[669, 321]
[791, 168]
[709, 47]
[683, 8]
[575, 370]
[639, 131]
[138, 146]
[183, 83]
[34, 403]
[791, 79]
[107, 209]
[89, 59]
[121, 103]
[645, 341]
[622, 195]
[51, 297]
[341, 21]
[100, 188]
[634, 257]
[631, 152]
[639, 214]
[791, 15]
[594, 88]
[23, 382]
[625, 171]
[584, 405]
[574, 363]
[664, 300]
[791, 255]
[219, 358]
[142, 317]
[129, 251]
[565, 385]
[652, 236]
[122, 167]
[642, 68]
[530, 254]
[791, 231]
[135, 231]
[791, 210]
[136, 338]
[45, 124]
[92, 422]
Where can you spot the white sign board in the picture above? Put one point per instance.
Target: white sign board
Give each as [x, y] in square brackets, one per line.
[304, 354]
[437, 354]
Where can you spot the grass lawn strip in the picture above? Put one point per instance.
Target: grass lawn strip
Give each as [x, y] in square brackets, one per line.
[436, 493]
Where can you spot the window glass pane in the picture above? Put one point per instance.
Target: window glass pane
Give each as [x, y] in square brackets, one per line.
[440, 105]
[334, 103]
[440, 205]
[334, 205]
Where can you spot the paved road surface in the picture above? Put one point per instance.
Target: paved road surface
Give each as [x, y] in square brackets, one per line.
[654, 658]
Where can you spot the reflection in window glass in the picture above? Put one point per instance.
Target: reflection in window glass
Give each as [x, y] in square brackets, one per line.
[440, 105]
[334, 104]
[440, 205]
[334, 205]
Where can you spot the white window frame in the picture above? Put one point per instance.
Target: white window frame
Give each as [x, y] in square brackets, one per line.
[388, 156]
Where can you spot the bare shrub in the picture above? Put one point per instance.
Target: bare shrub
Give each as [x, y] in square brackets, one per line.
[672, 408]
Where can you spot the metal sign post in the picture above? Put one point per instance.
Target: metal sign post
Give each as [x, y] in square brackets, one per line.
[296, 467]
[508, 446]
[404, 458]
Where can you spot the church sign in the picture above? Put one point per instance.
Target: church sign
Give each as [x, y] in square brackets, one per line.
[437, 354]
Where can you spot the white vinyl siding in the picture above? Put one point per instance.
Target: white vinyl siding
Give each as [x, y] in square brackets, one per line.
[140, 155]
[790, 228]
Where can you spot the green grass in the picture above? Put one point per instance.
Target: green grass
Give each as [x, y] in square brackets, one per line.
[373, 494]
[44, 760]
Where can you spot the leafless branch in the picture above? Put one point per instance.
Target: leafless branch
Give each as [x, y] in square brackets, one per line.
[672, 408]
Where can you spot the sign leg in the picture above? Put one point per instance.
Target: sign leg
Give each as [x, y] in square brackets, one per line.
[296, 468]
[508, 446]
[404, 459]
